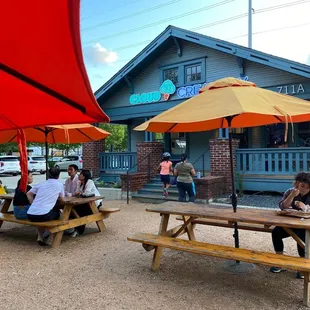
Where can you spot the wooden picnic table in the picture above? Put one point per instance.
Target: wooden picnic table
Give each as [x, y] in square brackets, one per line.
[191, 212]
[58, 227]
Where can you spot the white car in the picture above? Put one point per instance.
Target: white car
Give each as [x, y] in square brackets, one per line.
[64, 163]
[37, 164]
[9, 165]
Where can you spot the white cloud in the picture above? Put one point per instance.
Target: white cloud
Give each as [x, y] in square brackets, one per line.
[97, 55]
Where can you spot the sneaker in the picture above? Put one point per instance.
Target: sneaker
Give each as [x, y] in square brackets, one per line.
[299, 275]
[276, 269]
[40, 240]
[166, 192]
[74, 234]
[49, 239]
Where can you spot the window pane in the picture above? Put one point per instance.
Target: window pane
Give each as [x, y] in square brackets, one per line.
[171, 74]
[193, 73]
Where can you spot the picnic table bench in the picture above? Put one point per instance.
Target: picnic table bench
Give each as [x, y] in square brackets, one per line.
[249, 218]
[58, 227]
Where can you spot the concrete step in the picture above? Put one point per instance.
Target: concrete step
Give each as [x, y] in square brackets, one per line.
[146, 191]
[153, 198]
[158, 186]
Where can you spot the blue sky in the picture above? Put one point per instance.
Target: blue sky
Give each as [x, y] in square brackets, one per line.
[110, 37]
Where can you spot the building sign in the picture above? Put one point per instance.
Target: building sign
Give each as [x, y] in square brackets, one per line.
[291, 89]
[166, 89]
[193, 90]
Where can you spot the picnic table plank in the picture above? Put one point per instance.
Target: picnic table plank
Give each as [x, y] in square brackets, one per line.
[259, 216]
[223, 251]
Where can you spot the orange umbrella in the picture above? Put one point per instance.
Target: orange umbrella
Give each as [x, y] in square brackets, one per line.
[77, 133]
[230, 103]
[230, 98]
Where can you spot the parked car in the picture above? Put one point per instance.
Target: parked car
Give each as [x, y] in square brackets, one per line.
[70, 160]
[9, 165]
[55, 159]
[37, 164]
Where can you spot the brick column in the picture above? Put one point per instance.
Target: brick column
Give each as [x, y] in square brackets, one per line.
[220, 159]
[90, 151]
[155, 149]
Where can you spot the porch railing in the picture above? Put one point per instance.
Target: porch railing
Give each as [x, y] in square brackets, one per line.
[273, 161]
[121, 161]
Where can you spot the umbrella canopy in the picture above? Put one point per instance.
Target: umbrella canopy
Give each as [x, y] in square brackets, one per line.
[43, 78]
[229, 97]
[230, 103]
[42, 73]
[76, 133]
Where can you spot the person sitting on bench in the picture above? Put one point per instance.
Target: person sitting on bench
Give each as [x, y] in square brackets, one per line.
[297, 198]
[42, 207]
[86, 188]
[21, 203]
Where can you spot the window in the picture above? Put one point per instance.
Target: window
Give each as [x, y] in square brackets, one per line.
[275, 135]
[303, 134]
[193, 73]
[172, 75]
[185, 73]
[178, 143]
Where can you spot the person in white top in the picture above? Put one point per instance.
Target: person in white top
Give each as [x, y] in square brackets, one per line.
[72, 183]
[86, 187]
[46, 196]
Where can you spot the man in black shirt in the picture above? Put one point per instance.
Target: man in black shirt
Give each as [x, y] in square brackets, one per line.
[297, 198]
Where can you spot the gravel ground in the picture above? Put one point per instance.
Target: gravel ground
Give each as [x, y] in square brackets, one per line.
[105, 271]
[255, 200]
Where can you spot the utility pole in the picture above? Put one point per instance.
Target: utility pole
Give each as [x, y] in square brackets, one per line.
[250, 25]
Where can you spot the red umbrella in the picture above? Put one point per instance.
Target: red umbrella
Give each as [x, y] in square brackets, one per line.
[42, 74]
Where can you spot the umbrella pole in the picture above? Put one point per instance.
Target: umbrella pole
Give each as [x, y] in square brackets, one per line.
[233, 186]
[46, 154]
[235, 266]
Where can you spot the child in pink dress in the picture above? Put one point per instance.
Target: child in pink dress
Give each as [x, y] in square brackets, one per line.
[165, 168]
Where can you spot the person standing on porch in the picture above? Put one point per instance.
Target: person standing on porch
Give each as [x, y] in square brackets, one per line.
[184, 171]
[297, 198]
[165, 168]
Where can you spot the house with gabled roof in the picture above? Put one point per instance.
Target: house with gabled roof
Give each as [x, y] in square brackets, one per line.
[171, 69]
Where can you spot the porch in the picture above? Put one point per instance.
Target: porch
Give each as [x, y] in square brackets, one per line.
[258, 169]
[268, 169]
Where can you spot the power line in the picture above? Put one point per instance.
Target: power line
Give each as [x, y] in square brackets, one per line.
[271, 8]
[231, 38]
[130, 15]
[160, 22]
[118, 7]
[217, 23]
[270, 30]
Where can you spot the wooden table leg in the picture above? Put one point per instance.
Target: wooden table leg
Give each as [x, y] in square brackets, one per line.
[158, 250]
[189, 229]
[58, 236]
[306, 301]
[5, 208]
[94, 209]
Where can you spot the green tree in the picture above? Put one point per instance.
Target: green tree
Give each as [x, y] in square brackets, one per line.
[117, 141]
[8, 148]
[66, 148]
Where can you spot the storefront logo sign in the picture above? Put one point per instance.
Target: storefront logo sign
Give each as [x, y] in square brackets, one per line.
[166, 89]
[193, 90]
